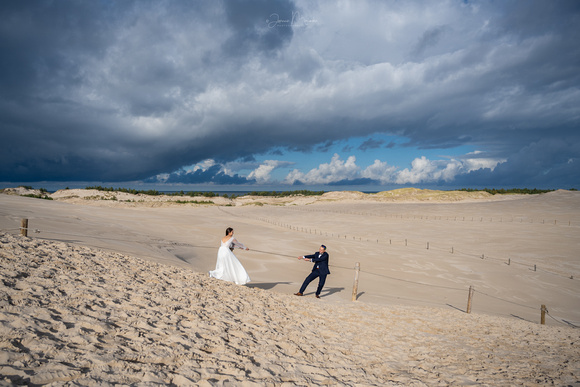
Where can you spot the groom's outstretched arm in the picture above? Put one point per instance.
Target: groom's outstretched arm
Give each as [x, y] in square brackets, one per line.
[310, 257]
[321, 257]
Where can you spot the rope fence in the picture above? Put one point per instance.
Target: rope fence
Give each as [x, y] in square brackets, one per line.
[454, 218]
[24, 229]
[471, 292]
[411, 243]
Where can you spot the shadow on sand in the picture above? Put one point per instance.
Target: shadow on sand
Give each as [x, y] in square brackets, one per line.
[266, 285]
[454, 307]
[325, 292]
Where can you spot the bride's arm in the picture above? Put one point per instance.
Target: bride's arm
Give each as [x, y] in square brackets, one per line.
[239, 245]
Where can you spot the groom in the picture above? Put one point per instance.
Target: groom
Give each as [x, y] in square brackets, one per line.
[320, 270]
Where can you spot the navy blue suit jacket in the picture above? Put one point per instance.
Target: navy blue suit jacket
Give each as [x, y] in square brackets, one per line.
[320, 262]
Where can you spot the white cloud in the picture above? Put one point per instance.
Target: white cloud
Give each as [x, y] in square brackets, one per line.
[381, 171]
[475, 163]
[262, 173]
[201, 166]
[162, 178]
[334, 171]
[422, 170]
[204, 165]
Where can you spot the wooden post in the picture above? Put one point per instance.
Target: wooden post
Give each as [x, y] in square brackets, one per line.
[427, 245]
[355, 286]
[543, 315]
[469, 299]
[24, 227]
[451, 249]
[509, 261]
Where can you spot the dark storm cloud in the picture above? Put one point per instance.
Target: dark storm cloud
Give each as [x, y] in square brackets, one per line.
[325, 146]
[371, 144]
[544, 163]
[250, 29]
[429, 38]
[43, 44]
[97, 90]
[117, 91]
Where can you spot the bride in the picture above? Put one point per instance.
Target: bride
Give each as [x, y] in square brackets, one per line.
[227, 267]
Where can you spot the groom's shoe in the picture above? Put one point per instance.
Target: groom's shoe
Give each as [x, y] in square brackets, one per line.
[317, 296]
[298, 294]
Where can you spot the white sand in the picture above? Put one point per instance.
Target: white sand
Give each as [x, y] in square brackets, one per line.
[89, 315]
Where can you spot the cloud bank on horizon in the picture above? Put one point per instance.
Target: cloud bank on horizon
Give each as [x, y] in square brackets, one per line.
[468, 93]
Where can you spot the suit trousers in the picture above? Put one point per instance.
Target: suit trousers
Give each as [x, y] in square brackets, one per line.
[311, 277]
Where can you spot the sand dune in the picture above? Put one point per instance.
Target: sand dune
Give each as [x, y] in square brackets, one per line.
[80, 316]
[116, 198]
[116, 291]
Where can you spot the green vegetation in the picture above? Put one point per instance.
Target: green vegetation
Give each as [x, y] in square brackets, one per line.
[38, 196]
[43, 193]
[208, 194]
[493, 191]
[42, 190]
[193, 202]
[286, 193]
[194, 193]
[153, 192]
[126, 190]
[258, 204]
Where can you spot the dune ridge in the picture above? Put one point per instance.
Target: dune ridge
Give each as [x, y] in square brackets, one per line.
[115, 198]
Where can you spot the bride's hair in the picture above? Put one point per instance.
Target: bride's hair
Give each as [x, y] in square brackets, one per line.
[228, 230]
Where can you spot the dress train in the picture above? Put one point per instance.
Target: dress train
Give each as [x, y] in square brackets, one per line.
[228, 267]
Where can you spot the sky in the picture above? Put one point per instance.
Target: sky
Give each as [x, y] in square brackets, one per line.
[366, 95]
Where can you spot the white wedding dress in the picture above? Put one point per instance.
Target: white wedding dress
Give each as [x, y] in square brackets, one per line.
[227, 267]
